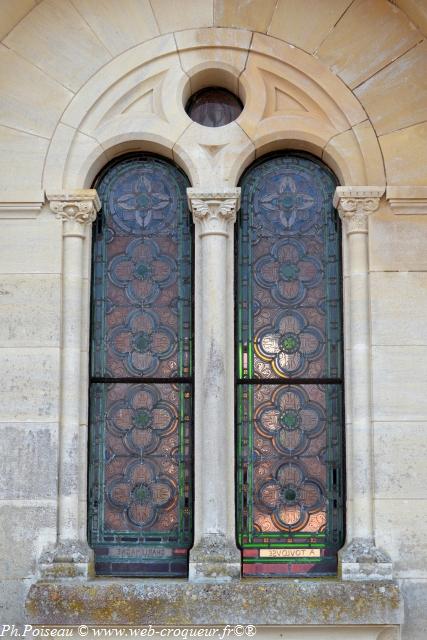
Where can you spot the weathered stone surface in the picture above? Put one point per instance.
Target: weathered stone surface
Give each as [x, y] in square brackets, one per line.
[402, 476]
[12, 601]
[362, 560]
[415, 594]
[174, 602]
[29, 469]
[30, 246]
[31, 384]
[35, 297]
[399, 383]
[397, 243]
[26, 528]
[400, 526]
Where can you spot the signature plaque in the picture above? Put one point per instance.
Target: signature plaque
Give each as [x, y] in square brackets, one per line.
[289, 553]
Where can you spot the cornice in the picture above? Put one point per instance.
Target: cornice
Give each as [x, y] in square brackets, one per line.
[407, 200]
[22, 205]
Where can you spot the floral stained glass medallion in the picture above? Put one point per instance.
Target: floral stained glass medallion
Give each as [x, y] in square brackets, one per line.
[141, 372]
[289, 370]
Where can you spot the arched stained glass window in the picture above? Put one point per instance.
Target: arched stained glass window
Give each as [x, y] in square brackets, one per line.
[140, 491]
[289, 370]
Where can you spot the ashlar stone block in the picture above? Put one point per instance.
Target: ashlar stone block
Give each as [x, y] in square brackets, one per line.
[367, 37]
[306, 23]
[29, 528]
[29, 462]
[119, 25]
[58, 40]
[398, 308]
[400, 451]
[30, 310]
[30, 388]
[251, 14]
[405, 155]
[396, 96]
[399, 383]
[31, 101]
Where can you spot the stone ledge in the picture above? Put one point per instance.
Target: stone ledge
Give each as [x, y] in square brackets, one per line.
[175, 602]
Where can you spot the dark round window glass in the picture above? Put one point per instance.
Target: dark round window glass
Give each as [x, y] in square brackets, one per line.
[214, 107]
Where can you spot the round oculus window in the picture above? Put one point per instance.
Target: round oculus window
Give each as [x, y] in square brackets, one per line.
[214, 107]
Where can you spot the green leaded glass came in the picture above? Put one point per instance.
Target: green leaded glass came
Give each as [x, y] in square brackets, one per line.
[289, 370]
[140, 494]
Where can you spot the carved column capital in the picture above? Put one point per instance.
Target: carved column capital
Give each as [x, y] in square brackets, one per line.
[214, 209]
[355, 204]
[79, 206]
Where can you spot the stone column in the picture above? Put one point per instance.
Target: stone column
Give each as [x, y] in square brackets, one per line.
[214, 556]
[71, 557]
[360, 559]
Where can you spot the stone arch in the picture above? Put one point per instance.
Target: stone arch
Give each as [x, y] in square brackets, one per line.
[136, 101]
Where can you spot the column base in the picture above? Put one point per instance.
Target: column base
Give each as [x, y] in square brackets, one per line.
[360, 559]
[214, 559]
[68, 559]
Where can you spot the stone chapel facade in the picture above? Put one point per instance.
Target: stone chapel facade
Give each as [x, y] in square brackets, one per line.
[86, 82]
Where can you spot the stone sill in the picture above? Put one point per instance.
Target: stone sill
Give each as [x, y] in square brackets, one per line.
[249, 601]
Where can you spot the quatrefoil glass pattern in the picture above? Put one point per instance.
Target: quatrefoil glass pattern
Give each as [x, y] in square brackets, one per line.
[141, 366]
[289, 368]
[290, 345]
[290, 497]
[290, 419]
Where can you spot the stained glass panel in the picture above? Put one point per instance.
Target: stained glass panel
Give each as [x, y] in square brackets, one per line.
[214, 107]
[141, 416]
[289, 387]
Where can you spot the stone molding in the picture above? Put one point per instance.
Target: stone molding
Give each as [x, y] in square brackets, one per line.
[68, 559]
[214, 210]
[175, 602]
[23, 207]
[407, 200]
[361, 560]
[214, 558]
[75, 206]
[330, 121]
[355, 204]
